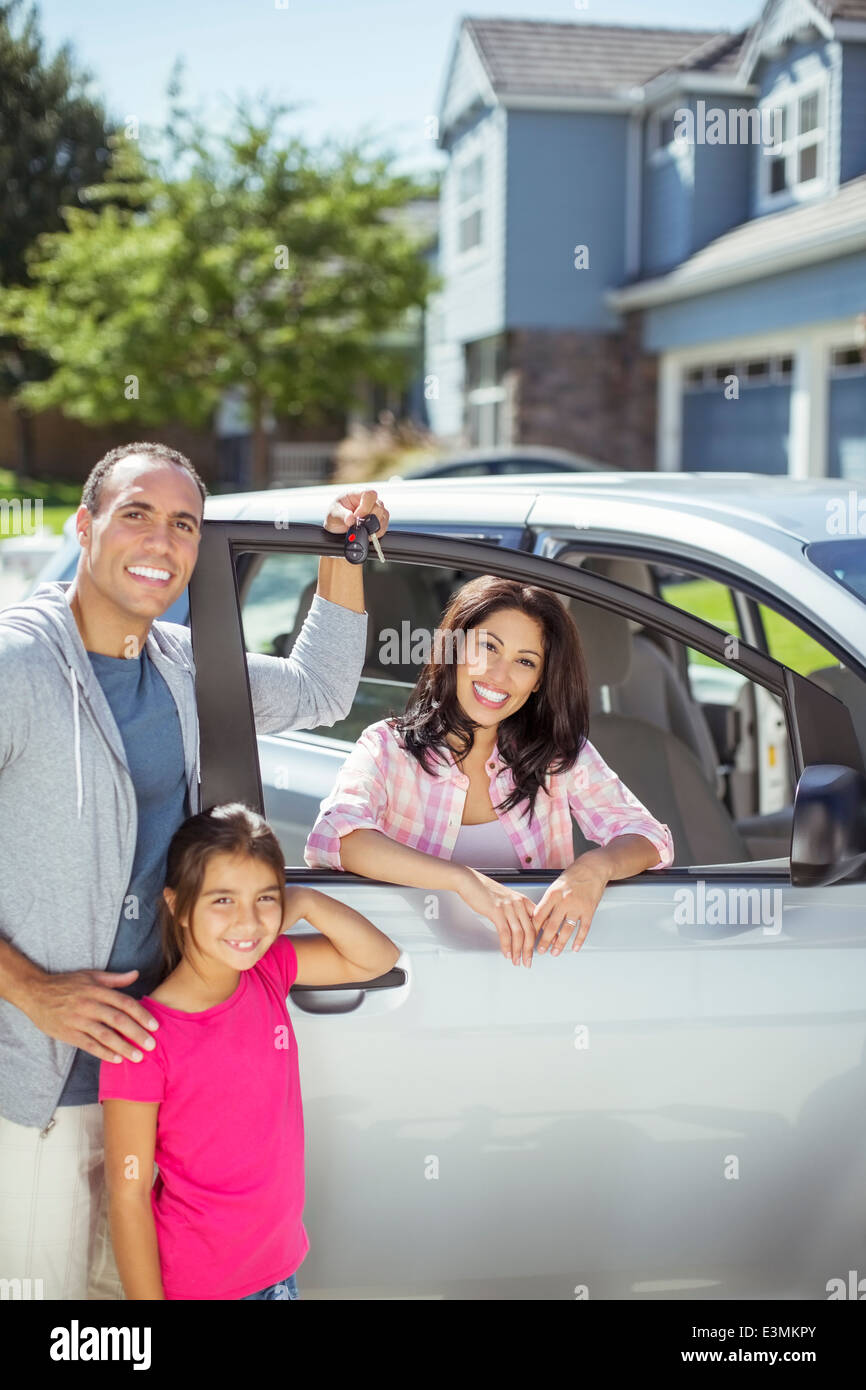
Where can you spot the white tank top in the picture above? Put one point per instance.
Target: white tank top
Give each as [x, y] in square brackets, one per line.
[485, 846]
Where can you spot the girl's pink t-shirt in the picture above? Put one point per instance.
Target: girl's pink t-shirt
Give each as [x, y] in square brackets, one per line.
[229, 1196]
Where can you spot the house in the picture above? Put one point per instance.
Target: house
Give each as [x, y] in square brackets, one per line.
[653, 242]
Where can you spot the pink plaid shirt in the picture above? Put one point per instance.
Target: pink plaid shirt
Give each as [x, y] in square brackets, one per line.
[382, 787]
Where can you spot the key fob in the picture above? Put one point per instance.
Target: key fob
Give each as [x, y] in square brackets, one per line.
[358, 539]
[357, 544]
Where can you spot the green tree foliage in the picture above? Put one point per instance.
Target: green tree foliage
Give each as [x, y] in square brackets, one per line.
[52, 145]
[242, 259]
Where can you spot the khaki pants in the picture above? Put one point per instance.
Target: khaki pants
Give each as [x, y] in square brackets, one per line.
[54, 1210]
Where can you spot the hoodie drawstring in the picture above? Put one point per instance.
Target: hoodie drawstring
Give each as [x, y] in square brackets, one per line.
[78, 780]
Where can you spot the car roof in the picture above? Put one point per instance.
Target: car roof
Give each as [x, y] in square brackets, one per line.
[751, 502]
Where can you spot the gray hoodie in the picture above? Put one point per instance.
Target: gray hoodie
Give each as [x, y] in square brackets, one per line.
[68, 812]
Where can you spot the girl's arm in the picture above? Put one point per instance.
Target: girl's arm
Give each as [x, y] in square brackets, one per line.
[130, 1140]
[350, 947]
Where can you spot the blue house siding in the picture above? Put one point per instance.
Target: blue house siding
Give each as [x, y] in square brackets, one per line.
[809, 295]
[473, 302]
[565, 188]
[853, 133]
[847, 424]
[722, 175]
[746, 435]
[667, 209]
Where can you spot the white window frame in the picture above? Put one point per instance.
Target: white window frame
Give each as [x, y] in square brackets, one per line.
[467, 207]
[659, 153]
[789, 98]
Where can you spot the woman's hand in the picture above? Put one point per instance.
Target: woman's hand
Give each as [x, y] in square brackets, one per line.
[569, 904]
[509, 911]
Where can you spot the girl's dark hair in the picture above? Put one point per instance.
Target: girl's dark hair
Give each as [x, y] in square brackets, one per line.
[548, 731]
[229, 829]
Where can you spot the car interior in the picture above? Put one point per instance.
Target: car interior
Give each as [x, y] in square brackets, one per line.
[677, 757]
[693, 763]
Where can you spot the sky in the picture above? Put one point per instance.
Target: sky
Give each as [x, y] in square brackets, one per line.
[373, 66]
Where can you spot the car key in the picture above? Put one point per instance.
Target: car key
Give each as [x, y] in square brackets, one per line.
[372, 524]
[358, 540]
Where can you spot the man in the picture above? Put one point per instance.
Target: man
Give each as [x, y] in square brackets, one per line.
[98, 768]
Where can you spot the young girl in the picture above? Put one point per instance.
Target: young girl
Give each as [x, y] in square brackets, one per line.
[216, 1103]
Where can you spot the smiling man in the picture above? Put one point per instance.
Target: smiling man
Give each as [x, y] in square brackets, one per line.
[98, 768]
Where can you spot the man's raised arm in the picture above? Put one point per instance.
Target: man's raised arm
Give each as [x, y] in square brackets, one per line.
[316, 683]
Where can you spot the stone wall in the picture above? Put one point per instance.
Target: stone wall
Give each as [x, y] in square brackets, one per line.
[592, 393]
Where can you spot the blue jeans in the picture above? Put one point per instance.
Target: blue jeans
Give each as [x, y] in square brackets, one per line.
[286, 1288]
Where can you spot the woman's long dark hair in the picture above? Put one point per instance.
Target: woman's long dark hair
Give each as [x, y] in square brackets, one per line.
[548, 731]
[229, 829]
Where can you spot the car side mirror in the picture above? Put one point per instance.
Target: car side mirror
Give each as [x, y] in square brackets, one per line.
[828, 838]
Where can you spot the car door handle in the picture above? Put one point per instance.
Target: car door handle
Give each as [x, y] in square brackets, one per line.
[343, 998]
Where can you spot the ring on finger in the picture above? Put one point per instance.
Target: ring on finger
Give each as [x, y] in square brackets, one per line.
[569, 922]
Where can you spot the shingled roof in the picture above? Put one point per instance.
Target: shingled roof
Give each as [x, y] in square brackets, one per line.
[552, 58]
[815, 231]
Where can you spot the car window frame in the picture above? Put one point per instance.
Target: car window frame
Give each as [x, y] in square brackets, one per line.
[552, 545]
[819, 726]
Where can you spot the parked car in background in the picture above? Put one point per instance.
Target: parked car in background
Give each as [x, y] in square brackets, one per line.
[716, 1009]
[506, 462]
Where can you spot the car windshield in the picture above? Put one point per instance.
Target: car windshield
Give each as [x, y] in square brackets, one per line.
[844, 561]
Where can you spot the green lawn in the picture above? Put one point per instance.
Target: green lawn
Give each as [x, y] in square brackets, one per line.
[707, 599]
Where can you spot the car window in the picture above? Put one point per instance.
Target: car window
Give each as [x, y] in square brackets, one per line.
[711, 762]
[701, 745]
[786, 642]
[272, 599]
[704, 598]
[404, 605]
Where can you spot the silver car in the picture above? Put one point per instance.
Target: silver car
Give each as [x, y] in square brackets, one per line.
[676, 1110]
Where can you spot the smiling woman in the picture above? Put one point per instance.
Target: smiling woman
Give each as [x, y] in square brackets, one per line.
[495, 739]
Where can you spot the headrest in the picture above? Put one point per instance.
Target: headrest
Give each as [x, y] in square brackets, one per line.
[606, 642]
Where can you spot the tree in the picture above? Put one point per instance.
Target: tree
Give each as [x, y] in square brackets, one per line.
[52, 145]
[247, 259]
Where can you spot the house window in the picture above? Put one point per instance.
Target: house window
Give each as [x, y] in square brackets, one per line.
[849, 361]
[793, 165]
[486, 414]
[469, 231]
[470, 192]
[694, 379]
[750, 371]
[662, 132]
[758, 371]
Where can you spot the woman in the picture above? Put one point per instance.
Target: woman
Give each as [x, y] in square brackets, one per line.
[487, 765]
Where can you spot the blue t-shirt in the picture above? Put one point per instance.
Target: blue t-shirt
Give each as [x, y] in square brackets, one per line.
[147, 717]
